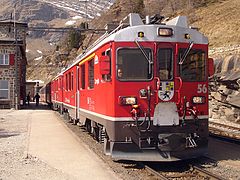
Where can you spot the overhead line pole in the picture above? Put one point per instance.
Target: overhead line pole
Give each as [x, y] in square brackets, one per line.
[15, 61]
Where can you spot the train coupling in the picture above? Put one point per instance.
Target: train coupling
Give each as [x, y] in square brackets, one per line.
[190, 140]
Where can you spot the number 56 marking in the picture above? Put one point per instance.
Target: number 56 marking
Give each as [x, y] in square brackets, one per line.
[202, 88]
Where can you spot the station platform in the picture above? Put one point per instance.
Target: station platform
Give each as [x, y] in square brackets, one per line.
[52, 142]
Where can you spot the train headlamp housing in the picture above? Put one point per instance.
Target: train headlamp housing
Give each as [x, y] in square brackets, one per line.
[141, 34]
[198, 100]
[165, 32]
[127, 100]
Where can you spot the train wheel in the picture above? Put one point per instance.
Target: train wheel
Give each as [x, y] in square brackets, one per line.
[96, 133]
[88, 126]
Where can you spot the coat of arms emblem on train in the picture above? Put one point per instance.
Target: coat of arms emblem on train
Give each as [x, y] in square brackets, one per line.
[166, 91]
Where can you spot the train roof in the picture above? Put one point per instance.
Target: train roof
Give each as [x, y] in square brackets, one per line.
[178, 25]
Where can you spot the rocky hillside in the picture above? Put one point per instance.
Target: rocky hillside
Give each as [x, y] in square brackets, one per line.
[217, 19]
[44, 13]
[84, 9]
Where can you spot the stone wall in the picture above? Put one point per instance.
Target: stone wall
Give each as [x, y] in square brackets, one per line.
[7, 31]
[16, 76]
[8, 73]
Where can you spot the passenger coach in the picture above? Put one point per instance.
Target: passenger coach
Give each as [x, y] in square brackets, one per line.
[142, 90]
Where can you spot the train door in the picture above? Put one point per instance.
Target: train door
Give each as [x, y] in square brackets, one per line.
[77, 94]
[165, 112]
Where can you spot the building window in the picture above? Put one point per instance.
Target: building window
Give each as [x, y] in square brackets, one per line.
[91, 74]
[4, 89]
[4, 59]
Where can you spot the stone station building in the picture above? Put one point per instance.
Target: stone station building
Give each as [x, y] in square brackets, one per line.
[13, 63]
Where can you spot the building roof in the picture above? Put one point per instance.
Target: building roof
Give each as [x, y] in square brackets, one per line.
[11, 41]
[11, 22]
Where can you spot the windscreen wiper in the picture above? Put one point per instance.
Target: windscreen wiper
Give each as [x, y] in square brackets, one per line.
[186, 53]
[145, 55]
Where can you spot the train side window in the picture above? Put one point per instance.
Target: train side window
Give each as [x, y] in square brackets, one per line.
[66, 78]
[67, 81]
[107, 77]
[59, 83]
[77, 78]
[72, 81]
[82, 76]
[91, 74]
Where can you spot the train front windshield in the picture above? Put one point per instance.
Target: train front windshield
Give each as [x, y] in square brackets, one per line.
[193, 67]
[132, 65]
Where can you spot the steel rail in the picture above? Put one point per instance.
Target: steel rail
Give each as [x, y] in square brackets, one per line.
[223, 131]
[152, 171]
[224, 125]
[194, 172]
[208, 174]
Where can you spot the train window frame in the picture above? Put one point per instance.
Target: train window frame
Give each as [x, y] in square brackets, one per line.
[57, 84]
[82, 76]
[66, 79]
[77, 78]
[91, 74]
[72, 81]
[188, 78]
[108, 77]
[172, 64]
[119, 68]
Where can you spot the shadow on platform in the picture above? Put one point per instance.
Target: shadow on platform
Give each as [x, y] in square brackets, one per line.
[33, 106]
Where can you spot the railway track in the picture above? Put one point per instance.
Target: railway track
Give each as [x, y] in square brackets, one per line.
[224, 131]
[193, 172]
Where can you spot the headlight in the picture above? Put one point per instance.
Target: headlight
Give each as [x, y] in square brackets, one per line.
[127, 100]
[198, 100]
[167, 32]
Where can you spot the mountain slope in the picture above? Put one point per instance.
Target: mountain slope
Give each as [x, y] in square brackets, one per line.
[220, 22]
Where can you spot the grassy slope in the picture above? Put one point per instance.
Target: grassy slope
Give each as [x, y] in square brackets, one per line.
[220, 22]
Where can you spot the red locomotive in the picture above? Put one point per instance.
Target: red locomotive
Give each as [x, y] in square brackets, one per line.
[142, 89]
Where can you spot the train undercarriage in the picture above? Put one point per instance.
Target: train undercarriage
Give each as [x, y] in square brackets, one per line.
[143, 141]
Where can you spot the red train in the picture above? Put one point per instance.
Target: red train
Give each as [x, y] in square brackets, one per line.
[142, 89]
